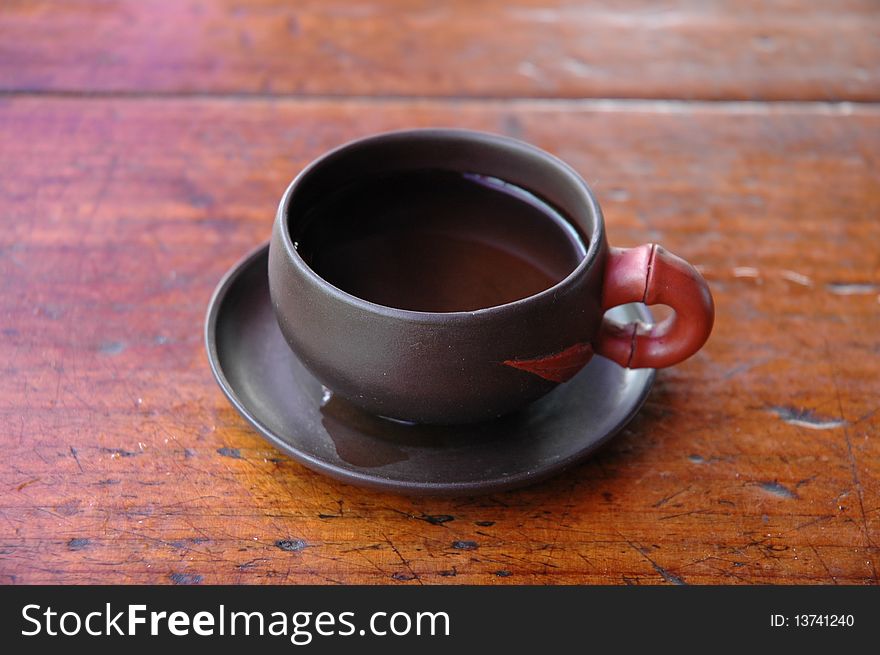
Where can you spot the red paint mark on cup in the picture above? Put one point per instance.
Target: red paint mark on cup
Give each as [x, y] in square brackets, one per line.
[559, 367]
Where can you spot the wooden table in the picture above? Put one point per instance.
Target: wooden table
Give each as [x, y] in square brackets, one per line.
[143, 149]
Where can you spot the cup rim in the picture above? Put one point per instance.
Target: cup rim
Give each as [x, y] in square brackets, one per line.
[593, 248]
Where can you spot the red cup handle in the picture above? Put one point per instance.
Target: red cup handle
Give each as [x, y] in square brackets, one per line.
[651, 275]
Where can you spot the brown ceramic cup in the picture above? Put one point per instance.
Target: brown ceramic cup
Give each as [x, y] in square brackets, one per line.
[455, 367]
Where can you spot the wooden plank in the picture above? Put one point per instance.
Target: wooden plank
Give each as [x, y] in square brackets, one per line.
[756, 461]
[825, 50]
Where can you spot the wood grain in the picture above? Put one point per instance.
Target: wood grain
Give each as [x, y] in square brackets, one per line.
[757, 461]
[825, 49]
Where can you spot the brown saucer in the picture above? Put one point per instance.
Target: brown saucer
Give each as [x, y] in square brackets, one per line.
[269, 387]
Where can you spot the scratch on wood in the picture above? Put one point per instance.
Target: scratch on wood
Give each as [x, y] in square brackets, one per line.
[824, 565]
[671, 578]
[415, 576]
[76, 458]
[465, 545]
[779, 490]
[291, 545]
[666, 499]
[852, 289]
[234, 453]
[118, 452]
[854, 470]
[689, 513]
[27, 483]
[805, 418]
[436, 519]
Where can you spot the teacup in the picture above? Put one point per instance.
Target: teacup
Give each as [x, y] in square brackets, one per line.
[435, 357]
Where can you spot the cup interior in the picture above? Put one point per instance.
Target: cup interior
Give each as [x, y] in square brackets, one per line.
[441, 220]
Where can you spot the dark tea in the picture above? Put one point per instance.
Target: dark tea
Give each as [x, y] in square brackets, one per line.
[438, 241]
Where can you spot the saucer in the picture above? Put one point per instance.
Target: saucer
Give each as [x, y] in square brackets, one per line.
[270, 388]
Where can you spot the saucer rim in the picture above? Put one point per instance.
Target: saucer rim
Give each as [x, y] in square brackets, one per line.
[375, 480]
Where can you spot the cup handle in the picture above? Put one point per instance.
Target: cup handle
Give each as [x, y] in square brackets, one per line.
[651, 275]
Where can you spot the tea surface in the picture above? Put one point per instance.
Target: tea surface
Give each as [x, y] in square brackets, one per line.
[438, 241]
